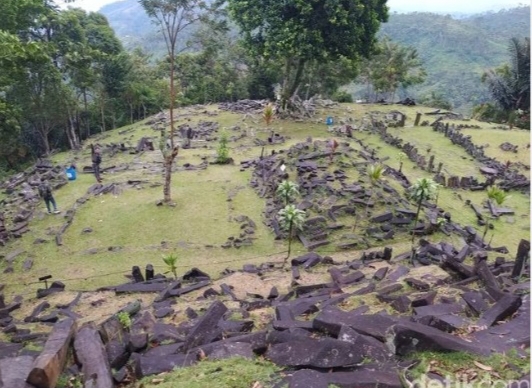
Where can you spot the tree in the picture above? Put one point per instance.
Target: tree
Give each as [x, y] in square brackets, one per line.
[422, 190]
[294, 32]
[290, 219]
[172, 17]
[394, 66]
[287, 191]
[509, 85]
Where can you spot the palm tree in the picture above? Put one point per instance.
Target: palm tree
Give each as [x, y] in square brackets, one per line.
[509, 85]
[424, 189]
[290, 219]
[287, 191]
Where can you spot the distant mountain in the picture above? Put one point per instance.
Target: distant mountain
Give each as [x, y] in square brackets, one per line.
[455, 51]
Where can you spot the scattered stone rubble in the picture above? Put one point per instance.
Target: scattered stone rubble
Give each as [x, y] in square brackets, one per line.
[320, 331]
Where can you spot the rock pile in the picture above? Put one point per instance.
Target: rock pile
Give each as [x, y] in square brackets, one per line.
[313, 327]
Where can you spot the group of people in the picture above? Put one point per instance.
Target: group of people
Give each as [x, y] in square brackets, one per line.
[45, 190]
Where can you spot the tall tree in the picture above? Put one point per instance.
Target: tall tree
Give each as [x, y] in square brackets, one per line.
[509, 85]
[392, 66]
[295, 32]
[172, 17]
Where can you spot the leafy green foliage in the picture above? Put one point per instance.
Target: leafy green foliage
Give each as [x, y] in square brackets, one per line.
[287, 191]
[298, 31]
[497, 194]
[391, 67]
[509, 85]
[375, 172]
[124, 319]
[171, 263]
[268, 114]
[222, 152]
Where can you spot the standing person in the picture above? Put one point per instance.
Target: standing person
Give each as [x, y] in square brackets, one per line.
[96, 160]
[45, 192]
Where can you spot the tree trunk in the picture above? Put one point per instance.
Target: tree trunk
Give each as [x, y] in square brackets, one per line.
[167, 179]
[71, 132]
[285, 88]
[416, 219]
[87, 121]
[103, 116]
[44, 136]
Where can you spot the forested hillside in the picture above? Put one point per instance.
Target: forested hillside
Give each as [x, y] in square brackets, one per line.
[454, 52]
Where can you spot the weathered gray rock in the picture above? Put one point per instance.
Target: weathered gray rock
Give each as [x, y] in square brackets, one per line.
[318, 353]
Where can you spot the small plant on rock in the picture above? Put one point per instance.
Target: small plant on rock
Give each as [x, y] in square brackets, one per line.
[124, 319]
[291, 219]
[171, 261]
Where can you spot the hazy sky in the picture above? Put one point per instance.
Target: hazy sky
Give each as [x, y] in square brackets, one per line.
[439, 6]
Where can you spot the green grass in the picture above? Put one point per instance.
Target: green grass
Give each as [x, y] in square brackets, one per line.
[203, 218]
[496, 370]
[228, 373]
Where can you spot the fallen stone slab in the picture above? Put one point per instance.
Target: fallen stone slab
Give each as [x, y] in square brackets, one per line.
[318, 353]
[9, 349]
[90, 353]
[14, 370]
[308, 378]
[380, 273]
[365, 378]
[231, 349]
[423, 299]
[117, 354]
[408, 337]
[449, 323]
[331, 320]
[205, 328]
[143, 287]
[510, 334]
[151, 365]
[424, 314]
[501, 310]
[48, 366]
[475, 301]
[371, 348]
